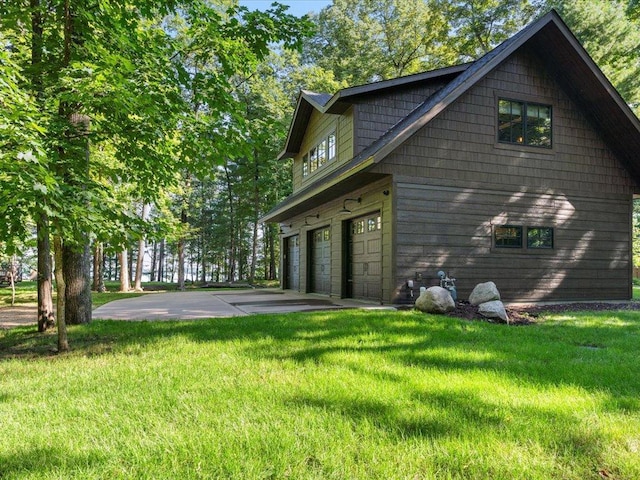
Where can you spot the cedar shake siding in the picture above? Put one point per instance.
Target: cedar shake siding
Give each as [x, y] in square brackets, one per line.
[423, 180]
[454, 183]
[375, 114]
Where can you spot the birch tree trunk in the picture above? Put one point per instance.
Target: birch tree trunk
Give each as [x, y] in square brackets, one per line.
[141, 249]
[124, 271]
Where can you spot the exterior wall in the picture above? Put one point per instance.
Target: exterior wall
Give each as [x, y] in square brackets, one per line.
[453, 183]
[373, 199]
[376, 114]
[321, 125]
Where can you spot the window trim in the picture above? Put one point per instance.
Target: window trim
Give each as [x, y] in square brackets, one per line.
[524, 103]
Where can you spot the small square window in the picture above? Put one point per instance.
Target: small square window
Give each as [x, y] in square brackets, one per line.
[539, 237]
[508, 236]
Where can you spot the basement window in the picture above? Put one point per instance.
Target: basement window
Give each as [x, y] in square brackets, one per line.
[508, 236]
[524, 123]
[539, 237]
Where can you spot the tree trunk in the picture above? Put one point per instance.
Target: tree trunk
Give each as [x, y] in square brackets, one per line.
[124, 272]
[161, 260]
[45, 283]
[98, 268]
[270, 235]
[139, 263]
[181, 242]
[141, 249]
[256, 215]
[75, 267]
[63, 342]
[231, 265]
[46, 317]
[154, 254]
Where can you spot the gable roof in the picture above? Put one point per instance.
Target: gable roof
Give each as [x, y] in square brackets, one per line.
[339, 102]
[565, 58]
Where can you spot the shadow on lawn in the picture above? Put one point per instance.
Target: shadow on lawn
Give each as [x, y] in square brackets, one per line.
[596, 355]
[589, 354]
[47, 460]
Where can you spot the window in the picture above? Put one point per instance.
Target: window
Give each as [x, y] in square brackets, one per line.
[322, 148]
[539, 237]
[331, 146]
[357, 228]
[313, 159]
[318, 156]
[508, 236]
[524, 123]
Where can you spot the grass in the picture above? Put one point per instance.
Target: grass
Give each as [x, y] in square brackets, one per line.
[340, 395]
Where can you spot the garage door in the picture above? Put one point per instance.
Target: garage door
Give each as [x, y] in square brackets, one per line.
[320, 264]
[364, 272]
[292, 263]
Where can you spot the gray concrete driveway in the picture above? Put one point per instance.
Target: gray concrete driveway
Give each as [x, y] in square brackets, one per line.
[228, 303]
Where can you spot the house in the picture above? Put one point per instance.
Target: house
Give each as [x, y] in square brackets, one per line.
[519, 168]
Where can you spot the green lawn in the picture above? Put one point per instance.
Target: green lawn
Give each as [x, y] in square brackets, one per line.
[341, 395]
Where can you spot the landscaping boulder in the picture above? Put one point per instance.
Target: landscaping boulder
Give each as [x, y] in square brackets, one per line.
[484, 292]
[435, 300]
[493, 309]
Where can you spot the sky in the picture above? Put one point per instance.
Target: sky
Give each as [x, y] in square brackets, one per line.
[296, 7]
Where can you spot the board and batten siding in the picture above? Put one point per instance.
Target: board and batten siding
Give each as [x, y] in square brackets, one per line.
[320, 126]
[454, 182]
[373, 200]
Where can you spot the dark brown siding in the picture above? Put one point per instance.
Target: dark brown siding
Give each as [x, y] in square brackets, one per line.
[376, 114]
[453, 183]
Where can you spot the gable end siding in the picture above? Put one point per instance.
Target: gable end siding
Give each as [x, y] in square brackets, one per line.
[454, 183]
[377, 114]
[320, 126]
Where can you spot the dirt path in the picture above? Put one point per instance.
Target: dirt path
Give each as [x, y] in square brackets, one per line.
[18, 316]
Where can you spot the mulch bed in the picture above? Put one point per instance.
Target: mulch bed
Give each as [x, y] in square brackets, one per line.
[527, 315]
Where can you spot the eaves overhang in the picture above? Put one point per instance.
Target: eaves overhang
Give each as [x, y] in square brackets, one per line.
[352, 175]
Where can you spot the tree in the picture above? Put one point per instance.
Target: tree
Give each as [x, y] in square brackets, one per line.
[611, 37]
[366, 40]
[477, 26]
[109, 72]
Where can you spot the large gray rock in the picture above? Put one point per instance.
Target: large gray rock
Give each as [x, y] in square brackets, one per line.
[435, 300]
[484, 292]
[494, 309]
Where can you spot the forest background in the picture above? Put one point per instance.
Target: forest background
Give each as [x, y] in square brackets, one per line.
[139, 139]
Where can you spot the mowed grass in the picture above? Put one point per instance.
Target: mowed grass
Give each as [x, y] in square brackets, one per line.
[338, 395]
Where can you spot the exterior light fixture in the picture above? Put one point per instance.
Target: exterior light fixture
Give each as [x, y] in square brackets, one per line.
[345, 210]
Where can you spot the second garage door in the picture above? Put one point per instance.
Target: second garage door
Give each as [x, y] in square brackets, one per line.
[320, 261]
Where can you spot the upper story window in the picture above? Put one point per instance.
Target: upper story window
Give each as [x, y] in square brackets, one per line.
[524, 123]
[321, 154]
